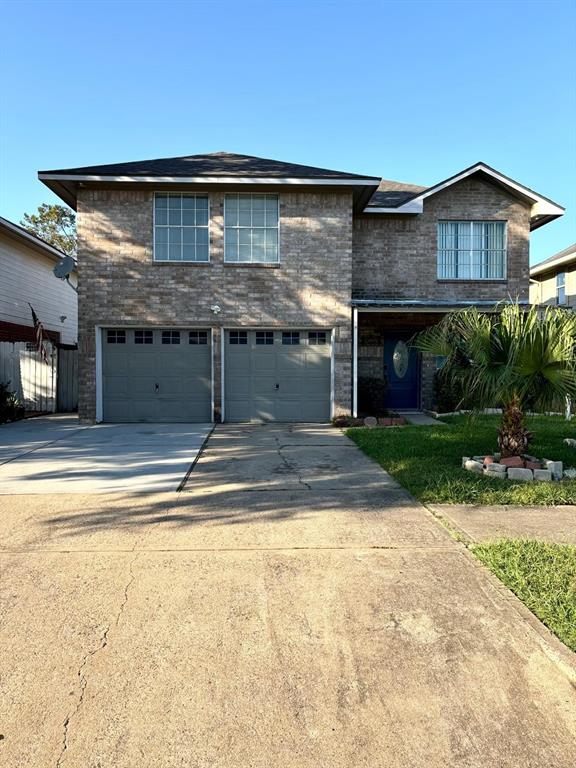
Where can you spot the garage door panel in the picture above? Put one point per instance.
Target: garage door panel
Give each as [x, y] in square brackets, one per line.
[139, 365]
[264, 408]
[114, 364]
[291, 364]
[155, 382]
[142, 386]
[313, 410]
[239, 409]
[263, 363]
[264, 385]
[241, 387]
[277, 382]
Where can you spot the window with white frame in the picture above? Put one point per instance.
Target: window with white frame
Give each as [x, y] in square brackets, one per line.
[561, 288]
[181, 227]
[471, 250]
[251, 229]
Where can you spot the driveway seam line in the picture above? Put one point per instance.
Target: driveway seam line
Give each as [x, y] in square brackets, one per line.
[195, 461]
[366, 548]
[44, 445]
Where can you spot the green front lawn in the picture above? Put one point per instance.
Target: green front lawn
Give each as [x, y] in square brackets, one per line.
[427, 460]
[542, 575]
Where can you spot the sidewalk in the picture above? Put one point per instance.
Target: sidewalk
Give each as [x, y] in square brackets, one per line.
[479, 523]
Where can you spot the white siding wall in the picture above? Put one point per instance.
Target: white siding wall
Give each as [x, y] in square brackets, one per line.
[26, 276]
[544, 292]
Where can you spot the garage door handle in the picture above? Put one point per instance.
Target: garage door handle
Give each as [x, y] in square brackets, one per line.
[276, 386]
[156, 387]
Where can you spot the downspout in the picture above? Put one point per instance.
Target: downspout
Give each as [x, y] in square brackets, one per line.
[355, 362]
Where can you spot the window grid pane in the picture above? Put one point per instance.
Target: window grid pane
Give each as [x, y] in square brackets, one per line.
[561, 288]
[251, 228]
[198, 337]
[116, 336]
[264, 338]
[471, 250]
[170, 337]
[143, 337]
[238, 337]
[181, 227]
[316, 337]
[291, 337]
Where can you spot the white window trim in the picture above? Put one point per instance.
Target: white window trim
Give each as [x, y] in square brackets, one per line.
[179, 261]
[243, 263]
[471, 278]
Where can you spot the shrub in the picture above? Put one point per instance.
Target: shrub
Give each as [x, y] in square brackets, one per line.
[10, 407]
[371, 395]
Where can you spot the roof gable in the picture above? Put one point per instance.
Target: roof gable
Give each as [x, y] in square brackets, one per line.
[543, 209]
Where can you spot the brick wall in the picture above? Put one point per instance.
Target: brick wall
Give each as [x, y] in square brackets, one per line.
[395, 257]
[119, 284]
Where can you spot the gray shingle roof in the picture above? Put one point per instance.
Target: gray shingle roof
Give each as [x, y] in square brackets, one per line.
[557, 256]
[391, 194]
[213, 164]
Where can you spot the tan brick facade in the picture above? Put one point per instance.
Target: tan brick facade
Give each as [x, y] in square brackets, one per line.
[327, 258]
[395, 258]
[121, 285]
[395, 255]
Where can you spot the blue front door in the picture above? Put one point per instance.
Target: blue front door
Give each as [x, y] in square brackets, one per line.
[402, 373]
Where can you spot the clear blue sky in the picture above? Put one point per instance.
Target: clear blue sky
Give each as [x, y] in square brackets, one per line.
[414, 91]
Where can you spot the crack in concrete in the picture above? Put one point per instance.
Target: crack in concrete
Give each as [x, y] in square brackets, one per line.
[81, 673]
[289, 466]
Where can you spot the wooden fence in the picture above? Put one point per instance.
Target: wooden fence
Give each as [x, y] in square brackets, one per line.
[33, 381]
[67, 379]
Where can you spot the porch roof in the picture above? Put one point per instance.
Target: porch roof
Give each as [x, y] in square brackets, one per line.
[426, 305]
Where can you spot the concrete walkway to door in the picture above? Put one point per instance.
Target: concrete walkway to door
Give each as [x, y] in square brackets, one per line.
[291, 607]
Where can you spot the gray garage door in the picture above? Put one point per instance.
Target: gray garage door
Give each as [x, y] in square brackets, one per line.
[275, 375]
[159, 375]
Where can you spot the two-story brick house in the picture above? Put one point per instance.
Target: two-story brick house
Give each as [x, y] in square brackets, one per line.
[231, 287]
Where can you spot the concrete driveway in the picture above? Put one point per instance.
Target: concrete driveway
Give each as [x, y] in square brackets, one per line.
[56, 454]
[292, 607]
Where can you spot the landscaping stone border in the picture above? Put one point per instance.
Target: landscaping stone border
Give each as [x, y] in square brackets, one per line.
[523, 468]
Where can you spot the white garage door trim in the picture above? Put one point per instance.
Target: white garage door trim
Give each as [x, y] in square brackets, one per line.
[99, 330]
[226, 328]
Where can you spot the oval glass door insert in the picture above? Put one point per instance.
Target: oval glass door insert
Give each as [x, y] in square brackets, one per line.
[400, 359]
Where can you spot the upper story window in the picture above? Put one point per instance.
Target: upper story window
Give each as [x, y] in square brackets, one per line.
[180, 227]
[471, 250]
[251, 229]
[561, 288]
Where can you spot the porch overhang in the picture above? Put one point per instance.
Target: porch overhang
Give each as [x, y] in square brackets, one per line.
[425, 305]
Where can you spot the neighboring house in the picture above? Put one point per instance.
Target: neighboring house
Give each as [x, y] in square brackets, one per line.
[233, 287]
[26, 277]
[553, 281]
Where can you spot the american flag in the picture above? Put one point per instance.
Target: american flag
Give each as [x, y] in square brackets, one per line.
[39, 328]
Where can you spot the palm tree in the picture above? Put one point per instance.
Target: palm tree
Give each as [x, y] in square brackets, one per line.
[515, 358]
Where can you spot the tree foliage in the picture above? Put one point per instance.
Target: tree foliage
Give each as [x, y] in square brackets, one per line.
[513, 358]
[54, 224]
